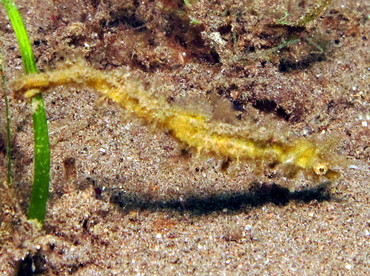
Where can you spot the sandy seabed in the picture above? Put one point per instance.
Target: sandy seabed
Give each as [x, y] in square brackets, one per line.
[127, 198]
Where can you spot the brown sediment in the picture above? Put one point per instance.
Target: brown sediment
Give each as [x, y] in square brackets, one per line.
[141, 203]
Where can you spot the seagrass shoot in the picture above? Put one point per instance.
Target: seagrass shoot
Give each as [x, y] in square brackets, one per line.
[40, 187]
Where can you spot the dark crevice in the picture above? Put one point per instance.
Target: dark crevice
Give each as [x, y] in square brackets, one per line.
[238, 105]
[286, 65]
[265, 105]
[2, 144]
[270, 106]
[126, 16]
[32, 264]
[281, 112]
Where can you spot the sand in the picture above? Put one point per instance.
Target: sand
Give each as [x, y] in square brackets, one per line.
[128, 198]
